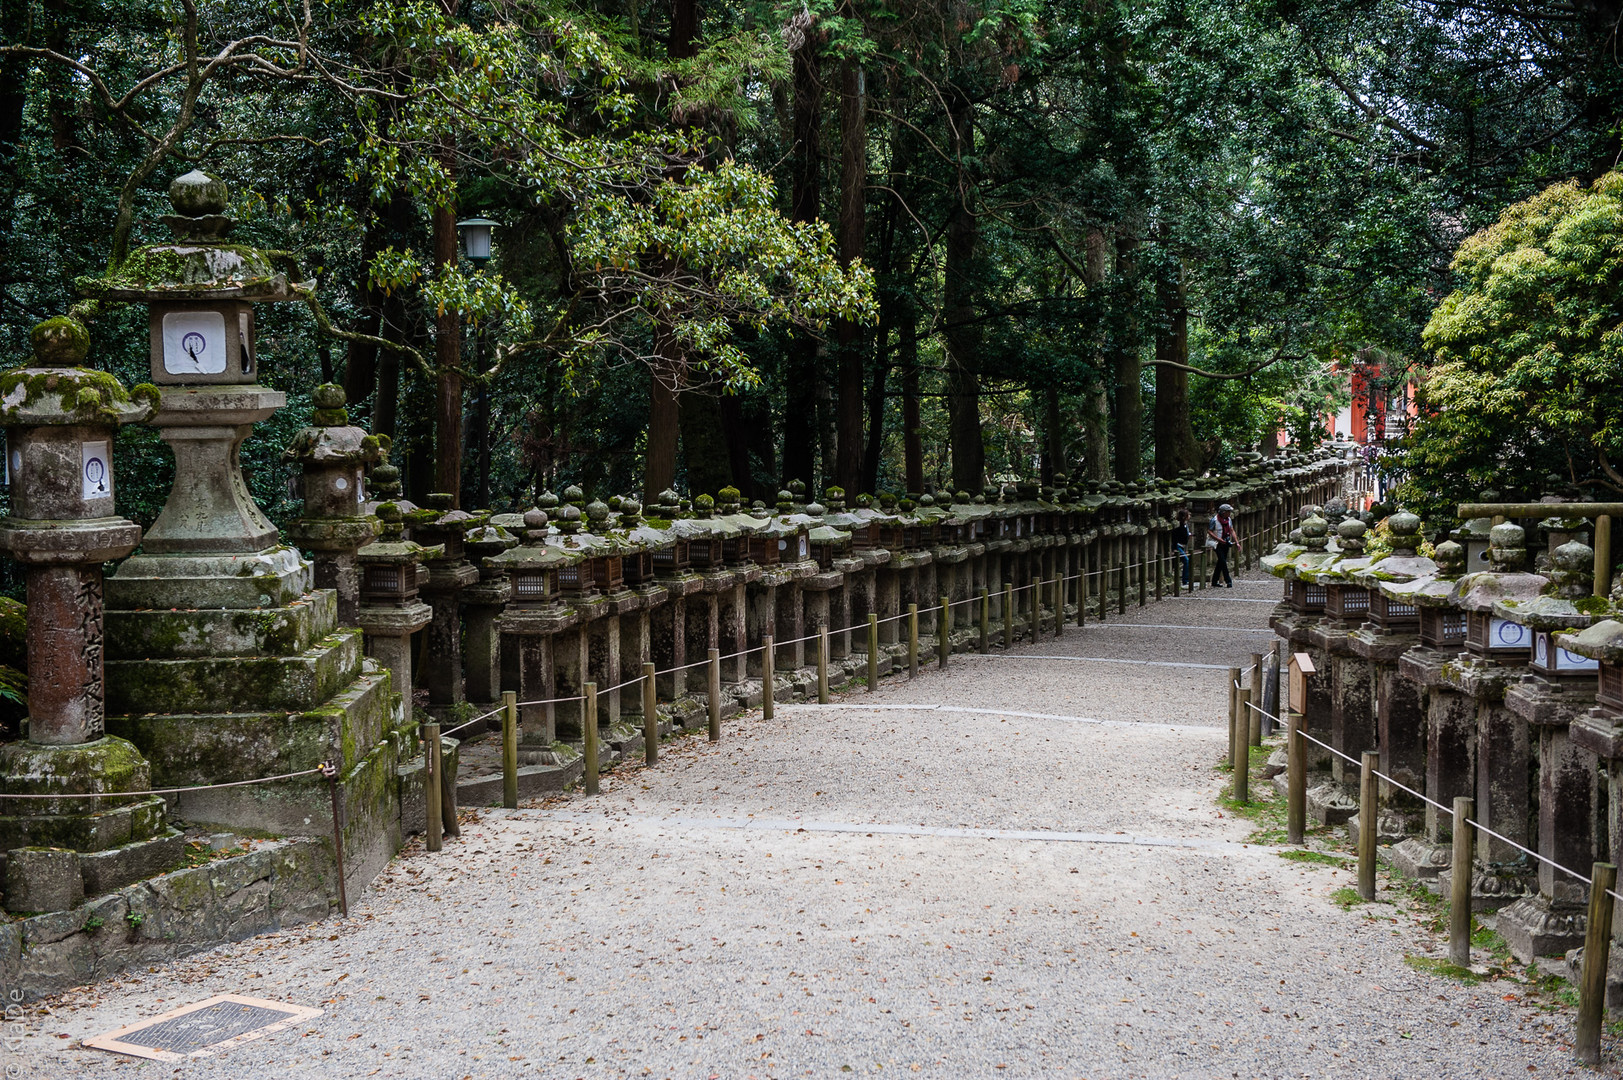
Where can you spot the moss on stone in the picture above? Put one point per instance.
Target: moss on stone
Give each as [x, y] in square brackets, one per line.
[82, 396]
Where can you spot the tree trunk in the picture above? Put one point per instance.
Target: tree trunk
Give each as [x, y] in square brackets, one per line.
[659, 471]
[736, 430]
[1175, 448]
[1095, 432]
[958, 312]
[874, 445]
[659, 467]
[704, 447]
[800, 376]
[1128, 364]
[907, 355]
[1054, 464]
[853, 197]
[447, 357]
[684, 30]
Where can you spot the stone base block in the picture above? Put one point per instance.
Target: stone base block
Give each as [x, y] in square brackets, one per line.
[1278, 761]
[1490, 889]
[1390, 827]
[165, 634]
[748, 693]
[1614, 973]
[533, 782]
[1534, 926]
[1418, 860]
[40, 879]
[227, 684]
[413, 803]
[279, 885]
[1330, 804]
[109, 827]
[105, 871]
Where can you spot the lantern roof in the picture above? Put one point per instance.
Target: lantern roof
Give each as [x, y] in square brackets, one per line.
[198, 264]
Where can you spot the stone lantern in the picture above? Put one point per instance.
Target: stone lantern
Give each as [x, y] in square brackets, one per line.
[1400, 708]
[391, 571]
[224, 663]
[537, 616]
[60, 418]
[1496, 654]
[442, 526]
[1559, 689]
[1450, 724]
[482, 604]
[333, 455]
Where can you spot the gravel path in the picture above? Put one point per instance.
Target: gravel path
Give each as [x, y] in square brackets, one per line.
[858, 890]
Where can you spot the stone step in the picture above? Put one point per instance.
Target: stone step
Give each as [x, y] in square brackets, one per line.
[164, 634]
[237, 683]
[212, 748]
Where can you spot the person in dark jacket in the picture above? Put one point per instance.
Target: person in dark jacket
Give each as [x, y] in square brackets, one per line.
[1221, 529]
[1180, 543]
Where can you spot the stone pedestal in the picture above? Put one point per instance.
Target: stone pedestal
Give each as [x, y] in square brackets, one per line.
[1450, 761]
[445, 528]
[225, 664]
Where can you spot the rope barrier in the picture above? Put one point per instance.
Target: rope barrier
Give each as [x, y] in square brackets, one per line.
[1432, 802]
[170, 791]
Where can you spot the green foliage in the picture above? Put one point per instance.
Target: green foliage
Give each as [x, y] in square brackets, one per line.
[1527, 351]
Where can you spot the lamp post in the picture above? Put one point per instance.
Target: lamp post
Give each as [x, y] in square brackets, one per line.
[475, 233]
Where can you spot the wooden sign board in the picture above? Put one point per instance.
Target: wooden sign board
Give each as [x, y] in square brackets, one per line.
[1301, 668]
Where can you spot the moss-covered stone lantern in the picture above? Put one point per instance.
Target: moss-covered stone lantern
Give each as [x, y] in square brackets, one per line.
[333, 455]
[60, 418]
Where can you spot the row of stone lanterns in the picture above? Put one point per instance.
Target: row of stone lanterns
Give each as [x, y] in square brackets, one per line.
[1496, 683]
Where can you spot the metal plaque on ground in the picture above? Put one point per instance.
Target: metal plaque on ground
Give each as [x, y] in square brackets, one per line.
[203, 1029]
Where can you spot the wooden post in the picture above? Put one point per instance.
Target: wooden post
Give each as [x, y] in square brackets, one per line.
[431, 785]
[1008, 615]
[1459, 911]
[714, 694]
[1160, 568]
[1104, 593]
[986, 619]
[588, 725]
[1254, 730]
[1234, 705]
[912, 641]
[769, 666]
[1082, 591]
[1143, 573]
[943, 634]
[1603, 555]
[1121, 588]
[873, 653]
[1242, 755]
[1296, 780]
[1367, 804]
[1177, 573]
[822, 665]
[509, 750]
[1059, 605]
[650, 716]
[1597, 945]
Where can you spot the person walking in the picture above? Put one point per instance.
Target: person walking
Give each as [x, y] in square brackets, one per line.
[1221, 530]
[1180, 543]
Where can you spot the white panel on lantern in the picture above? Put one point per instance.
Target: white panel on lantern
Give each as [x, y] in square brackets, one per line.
[1541, 650]
[1571, 661]
[194, 342]
[95, 472]
[1504, 634]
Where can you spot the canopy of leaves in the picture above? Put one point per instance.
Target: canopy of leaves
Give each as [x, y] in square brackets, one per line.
[1528, 375]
